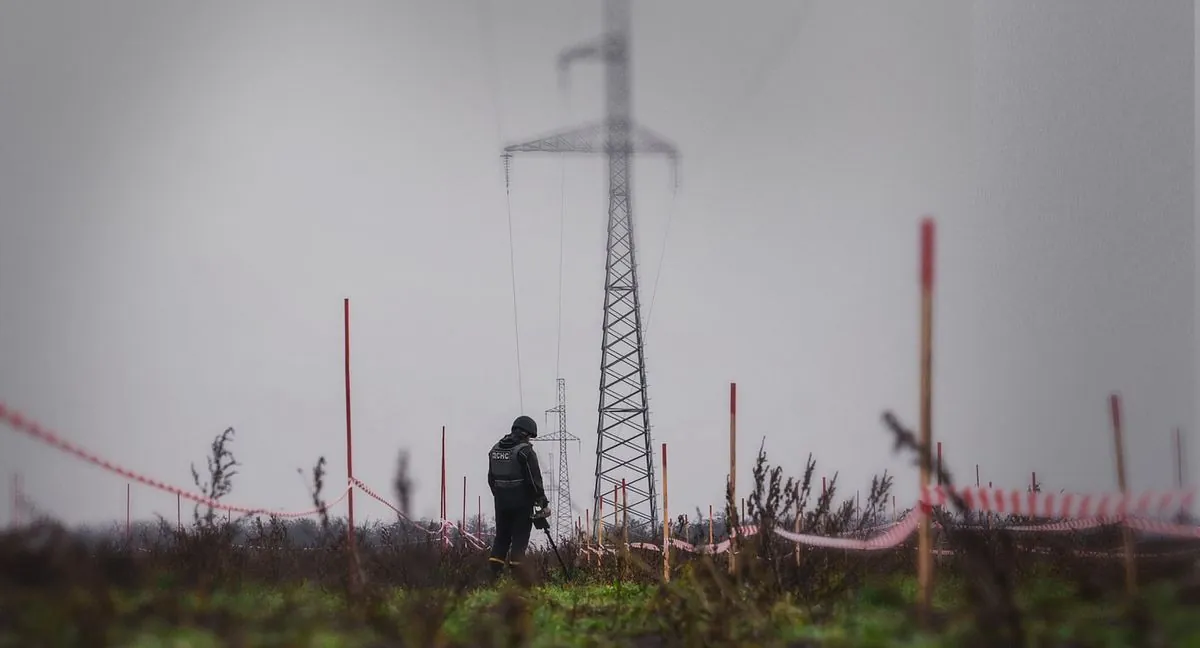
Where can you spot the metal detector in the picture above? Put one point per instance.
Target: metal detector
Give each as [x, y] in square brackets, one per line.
[540, 521]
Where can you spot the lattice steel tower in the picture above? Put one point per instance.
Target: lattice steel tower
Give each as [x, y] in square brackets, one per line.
[623, 444]
[562, 483]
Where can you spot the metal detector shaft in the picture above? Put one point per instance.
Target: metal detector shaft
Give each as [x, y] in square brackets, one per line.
[557, 555]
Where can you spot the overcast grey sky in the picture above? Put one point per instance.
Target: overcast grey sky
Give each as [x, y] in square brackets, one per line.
[187, 192]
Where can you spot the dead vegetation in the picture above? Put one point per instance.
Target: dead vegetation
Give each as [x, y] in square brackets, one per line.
[165, 568]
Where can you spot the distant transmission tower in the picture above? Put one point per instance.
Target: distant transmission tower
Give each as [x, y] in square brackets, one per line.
[623, 444]
[562, 485]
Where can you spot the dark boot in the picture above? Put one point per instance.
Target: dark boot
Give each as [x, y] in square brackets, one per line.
[497, 567]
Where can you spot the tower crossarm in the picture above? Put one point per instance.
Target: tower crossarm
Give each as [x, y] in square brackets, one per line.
[593, 138]
[585, 51]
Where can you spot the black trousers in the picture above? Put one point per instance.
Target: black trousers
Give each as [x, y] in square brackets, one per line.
[513, 526]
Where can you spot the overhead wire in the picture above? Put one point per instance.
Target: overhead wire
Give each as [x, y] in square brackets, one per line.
[488, 46]
[512, 270]
[764, 71]
[661, 257]
[755, 83]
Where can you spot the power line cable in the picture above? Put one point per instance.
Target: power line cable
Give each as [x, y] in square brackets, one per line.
[492, 74]
[661, 257]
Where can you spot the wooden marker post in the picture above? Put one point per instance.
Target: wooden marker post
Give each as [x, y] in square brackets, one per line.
[625, 512]
[666, 522]
[442, 507]
[600, 521]
[1126, 532]
[616, 514]
[600, 526]
[16, 501]
[710, 528]
[732, 473]
[797, 527]
[616, 506]
[128, 515]
[924, 537]
[989, 514]
[624, 528]
[349, 435]
[1179, 458]
[1179, 471]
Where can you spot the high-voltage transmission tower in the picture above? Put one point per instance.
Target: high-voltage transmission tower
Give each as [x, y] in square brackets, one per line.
[623, 445]
[563, 528]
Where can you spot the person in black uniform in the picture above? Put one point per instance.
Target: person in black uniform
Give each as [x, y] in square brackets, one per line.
[515, 480]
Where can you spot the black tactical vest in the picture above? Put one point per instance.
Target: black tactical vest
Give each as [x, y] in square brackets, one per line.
[504, 465]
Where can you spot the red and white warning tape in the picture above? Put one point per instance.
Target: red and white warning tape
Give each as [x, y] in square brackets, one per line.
[444, 526]
[1074, 506]
[1077, 511]
[18, 422]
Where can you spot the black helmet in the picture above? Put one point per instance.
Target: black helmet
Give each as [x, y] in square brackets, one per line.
[525, 425]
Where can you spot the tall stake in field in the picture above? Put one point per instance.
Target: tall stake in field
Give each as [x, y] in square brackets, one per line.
[1126, 533]
[624, 529]
[600, 521]
[797, 524]
[349, 442]
[732, 471]
[128, 525]
[989, 514]
[666, 522]
[1179, 458]
[1179, 470]
[710, 527]
[924, 544]
[17, 501]
[442, 513]
[625, 511]
[616, 516]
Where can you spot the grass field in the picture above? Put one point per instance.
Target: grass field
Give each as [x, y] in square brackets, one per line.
[270, 583]
[878, 614]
